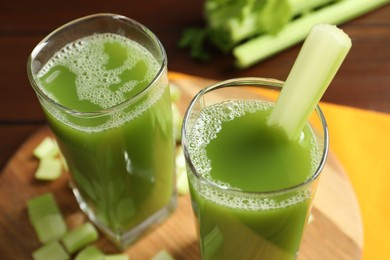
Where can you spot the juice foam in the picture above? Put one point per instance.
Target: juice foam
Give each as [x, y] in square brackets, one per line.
[206, 128]
[99, 77]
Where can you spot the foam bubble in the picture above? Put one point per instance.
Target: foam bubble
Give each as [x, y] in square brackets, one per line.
[209, 123]
[86, 58]
[206, 127]
[251, 202]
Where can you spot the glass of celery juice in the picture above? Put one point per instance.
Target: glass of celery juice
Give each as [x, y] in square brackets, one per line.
[251, 188]
[102, 83]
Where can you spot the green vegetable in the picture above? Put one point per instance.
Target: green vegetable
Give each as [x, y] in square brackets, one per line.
[94, 253]
[79, 237]
[175, 92]
[90, 253]
[48, 148]
[194, 39]
[256, 29]
[46, 218]
[162, 255]
[266, 45]
[229, 22]
[116, 257]
[321, 56]
[51, 250]
[181, 174]
[177, 120]
[49, 169]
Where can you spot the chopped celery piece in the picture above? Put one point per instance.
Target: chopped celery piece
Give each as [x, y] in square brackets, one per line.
[48, 148]
[177, 120]
[52, 250]
[181, 174]
[49, 169]
[321, 56]
[94, 253]
[90, 253]
[310, 219]
[175, 92]
[116, 257]
[49, 228]
[182, 184]
[46, 218]
[79, 237]
[162, 255]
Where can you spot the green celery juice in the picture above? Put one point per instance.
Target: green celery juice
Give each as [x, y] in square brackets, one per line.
[232, 147]
[122, 160]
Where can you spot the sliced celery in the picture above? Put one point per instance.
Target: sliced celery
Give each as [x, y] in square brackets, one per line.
[50, 227]
[321, 56]
[175, 92]
[116, 257]
[79, 237]
[181, 174]
[162, 255]
[51, 250]
[94, 253]
[310, 219]
[90, 253]
[48, 148]
[177, 120]
[182, 184]
[49, 169]
[46, 218]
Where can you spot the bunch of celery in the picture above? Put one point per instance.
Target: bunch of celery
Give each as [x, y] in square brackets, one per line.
[256, 29]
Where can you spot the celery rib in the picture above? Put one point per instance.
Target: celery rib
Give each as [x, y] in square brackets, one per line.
[266, 45]
[321, 56]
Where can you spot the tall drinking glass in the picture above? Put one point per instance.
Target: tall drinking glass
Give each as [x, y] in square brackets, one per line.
[102, 83]
[251, 188]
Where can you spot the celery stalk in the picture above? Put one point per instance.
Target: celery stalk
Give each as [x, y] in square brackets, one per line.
[303, 6]
[321, 56]
[266, 45]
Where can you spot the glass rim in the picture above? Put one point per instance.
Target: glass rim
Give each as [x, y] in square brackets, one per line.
[33, 80]
[268, 83]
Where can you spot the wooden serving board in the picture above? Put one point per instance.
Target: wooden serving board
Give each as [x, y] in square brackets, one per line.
[335, 233]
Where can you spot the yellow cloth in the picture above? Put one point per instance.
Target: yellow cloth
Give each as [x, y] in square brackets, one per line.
[360, 140]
